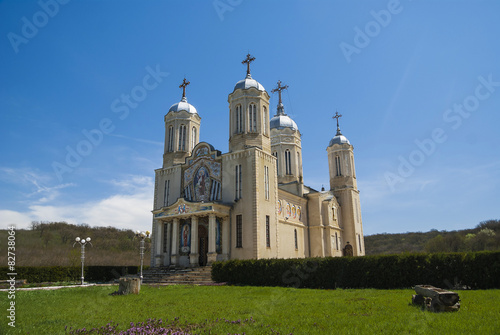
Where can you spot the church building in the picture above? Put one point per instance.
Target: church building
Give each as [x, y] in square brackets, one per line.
[250, 202]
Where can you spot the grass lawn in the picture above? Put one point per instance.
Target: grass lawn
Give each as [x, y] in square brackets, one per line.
[260, 310]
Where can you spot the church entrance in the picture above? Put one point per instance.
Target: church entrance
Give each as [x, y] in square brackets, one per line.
[203, 245]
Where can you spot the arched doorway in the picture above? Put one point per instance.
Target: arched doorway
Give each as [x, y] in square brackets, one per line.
[203, 245]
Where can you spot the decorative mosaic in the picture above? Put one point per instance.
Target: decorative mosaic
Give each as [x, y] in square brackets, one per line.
[202, 178]
[290, 211]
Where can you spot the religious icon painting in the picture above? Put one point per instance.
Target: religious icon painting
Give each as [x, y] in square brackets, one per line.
[294, 212]
[280, 209]
[288, 210]
[185, 238]
[299, 213]
[202, 184]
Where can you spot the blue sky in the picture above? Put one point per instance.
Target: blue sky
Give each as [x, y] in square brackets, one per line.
[417, 83]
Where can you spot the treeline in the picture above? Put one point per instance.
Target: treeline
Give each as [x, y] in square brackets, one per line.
[51, 244]
[485, 236]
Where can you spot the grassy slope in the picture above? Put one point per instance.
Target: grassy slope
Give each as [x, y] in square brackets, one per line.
[452, 241]
[285, 310]
[53, 246]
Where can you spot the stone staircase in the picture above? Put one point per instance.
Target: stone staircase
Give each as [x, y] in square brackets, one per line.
[178, 276]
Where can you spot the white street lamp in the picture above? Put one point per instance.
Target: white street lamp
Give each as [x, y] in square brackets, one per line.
[142, 235]
[83, 242]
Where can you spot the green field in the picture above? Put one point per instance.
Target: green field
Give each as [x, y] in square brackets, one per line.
[253, 310]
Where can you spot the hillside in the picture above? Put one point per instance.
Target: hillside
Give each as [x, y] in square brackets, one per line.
[485, 236]
[51, 244]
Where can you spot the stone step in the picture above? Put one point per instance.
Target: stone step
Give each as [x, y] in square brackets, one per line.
[191, 276]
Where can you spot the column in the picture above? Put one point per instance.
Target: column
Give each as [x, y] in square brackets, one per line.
[158, 238]
[193, 255]
[175, 242]
[212, 254]
[168, 245]
[225, 238]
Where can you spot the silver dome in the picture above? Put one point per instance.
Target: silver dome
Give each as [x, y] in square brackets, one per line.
[247, 83]
[339, 139]
[282, 121]
[183, 105]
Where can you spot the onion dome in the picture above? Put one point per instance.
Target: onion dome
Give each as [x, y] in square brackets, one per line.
[183, 105]
[281, 120]
[247, 83]
[339, 139]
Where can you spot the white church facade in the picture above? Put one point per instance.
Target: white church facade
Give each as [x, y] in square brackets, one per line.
[250, 202]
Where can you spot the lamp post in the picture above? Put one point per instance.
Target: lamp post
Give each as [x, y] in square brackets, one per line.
[83, 242]
[142, 235]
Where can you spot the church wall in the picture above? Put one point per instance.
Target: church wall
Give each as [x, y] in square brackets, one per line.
[292, 214]
[174, 175]
[243, 206]
[287, 240]
[352, 229]
[322, 223]
[266, 206]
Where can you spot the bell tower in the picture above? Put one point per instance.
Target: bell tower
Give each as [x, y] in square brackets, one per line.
[344, 186]
[182, 130]
[286, 147]
[249, 114]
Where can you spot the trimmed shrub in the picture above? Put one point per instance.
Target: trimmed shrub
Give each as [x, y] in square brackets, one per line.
[39, 274]
[480, 270]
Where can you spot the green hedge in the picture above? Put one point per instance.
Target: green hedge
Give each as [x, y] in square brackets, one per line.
[480, 270]
[39, 274]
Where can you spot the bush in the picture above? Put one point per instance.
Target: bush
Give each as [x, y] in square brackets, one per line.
[480, 270]
[40, 274]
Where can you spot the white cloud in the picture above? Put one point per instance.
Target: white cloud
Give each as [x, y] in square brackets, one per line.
[128, 209]
[8, 218]
[35, 182]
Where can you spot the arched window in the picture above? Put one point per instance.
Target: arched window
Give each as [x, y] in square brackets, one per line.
[275, 154]
[352, 167]
[193, 138]
[170, 143]
[288, 162]
[264, 120]
[298, 162]
[239, 119]
[338, 171]
[296, 240]
[252, 118]
[182, 138]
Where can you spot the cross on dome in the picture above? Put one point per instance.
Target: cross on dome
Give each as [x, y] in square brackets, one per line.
[183, 85]
[337, 116]
[279, 89]
[247, 61]
[281, 109]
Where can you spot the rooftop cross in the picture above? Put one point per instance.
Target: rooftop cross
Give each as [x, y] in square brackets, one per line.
[337, 116]
[247, 61]
[183, 85]
[279, 89]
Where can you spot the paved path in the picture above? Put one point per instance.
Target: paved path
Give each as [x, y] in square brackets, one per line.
[54, 287]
